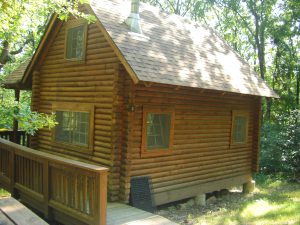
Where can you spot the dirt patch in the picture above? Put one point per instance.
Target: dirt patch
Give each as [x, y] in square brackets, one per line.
[187, 213]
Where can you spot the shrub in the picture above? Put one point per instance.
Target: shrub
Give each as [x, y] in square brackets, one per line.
[280, 144]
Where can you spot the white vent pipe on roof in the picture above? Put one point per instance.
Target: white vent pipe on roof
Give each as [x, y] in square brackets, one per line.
[133, 20]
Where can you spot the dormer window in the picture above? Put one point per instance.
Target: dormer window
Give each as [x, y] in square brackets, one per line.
[75, 42]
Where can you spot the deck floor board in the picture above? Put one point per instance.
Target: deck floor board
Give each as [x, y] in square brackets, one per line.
[13, 212]
[122, 214]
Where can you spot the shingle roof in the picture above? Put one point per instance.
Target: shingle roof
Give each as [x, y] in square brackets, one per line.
[15, 77]
[173, 50]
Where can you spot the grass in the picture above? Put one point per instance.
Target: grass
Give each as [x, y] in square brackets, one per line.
[274, 201]
[4, 193]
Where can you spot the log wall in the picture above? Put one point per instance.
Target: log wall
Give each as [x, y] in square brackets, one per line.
[91, 81]
[202, 159]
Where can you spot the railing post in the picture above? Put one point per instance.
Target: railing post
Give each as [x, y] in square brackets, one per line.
[12, 173]
[46, 194]
[102, 198]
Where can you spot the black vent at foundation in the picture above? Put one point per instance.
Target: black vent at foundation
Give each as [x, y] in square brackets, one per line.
[141, 194]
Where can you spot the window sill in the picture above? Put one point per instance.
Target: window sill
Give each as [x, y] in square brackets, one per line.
[72, 147]
[238, 144]
[153, 153]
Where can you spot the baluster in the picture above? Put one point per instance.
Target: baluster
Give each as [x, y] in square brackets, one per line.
[84, 192]
[14, 191]
[45, 184]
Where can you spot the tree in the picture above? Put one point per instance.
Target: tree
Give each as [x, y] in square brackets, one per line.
[22, 22]
[286, 41]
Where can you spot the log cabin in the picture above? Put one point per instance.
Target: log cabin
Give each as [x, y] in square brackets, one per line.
[145, 93]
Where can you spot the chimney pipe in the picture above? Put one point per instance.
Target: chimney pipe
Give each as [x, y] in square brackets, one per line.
[133, 20]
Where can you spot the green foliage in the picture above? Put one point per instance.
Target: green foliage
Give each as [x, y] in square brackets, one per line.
[4, 193]
[33, 121]
[280, 144]
[22, 24]
[28, 121]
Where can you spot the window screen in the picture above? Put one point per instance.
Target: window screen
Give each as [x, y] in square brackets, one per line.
[239, 129]
[73, 127]
[158, 131]
[75, 43]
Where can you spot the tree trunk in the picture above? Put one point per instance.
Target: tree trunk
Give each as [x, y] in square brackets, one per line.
[16, 124]
[297, 89]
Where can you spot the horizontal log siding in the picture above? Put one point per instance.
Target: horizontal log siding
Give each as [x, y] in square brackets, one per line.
[92, 81]
[201, 152]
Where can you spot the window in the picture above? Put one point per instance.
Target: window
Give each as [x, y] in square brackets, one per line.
[239, 131]
[75, 125]
[158, 129]
[75, 42]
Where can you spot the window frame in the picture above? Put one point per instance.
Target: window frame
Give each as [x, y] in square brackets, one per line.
[159, 151]
[74, 24]
[75, 107]
[236, 113]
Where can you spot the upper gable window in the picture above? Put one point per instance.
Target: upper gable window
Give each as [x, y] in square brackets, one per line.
[75, 42]
[239, 131]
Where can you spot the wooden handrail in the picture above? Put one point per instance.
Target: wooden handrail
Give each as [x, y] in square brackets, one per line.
[63, 189]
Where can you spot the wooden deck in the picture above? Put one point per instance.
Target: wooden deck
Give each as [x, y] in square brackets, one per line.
[122, 214]
[61, 189]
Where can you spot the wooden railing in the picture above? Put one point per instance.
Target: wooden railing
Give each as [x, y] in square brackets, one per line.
[21, 137]
[64, 190]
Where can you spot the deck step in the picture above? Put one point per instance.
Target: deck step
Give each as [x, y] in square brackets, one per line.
[13, 212]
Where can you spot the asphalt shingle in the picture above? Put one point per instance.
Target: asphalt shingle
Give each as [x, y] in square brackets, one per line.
[173, 50]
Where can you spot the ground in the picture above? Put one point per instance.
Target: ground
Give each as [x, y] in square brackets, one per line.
[274, 201]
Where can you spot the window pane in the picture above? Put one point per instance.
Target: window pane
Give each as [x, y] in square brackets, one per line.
[72, 127]
[75, 42]
[239, 129]
[158, 130]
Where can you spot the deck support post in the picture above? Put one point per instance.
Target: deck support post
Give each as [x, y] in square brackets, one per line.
[200, 200]
[248, 187]
[15, 122]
